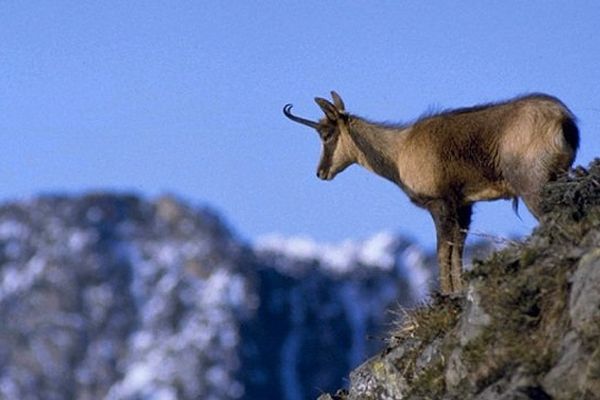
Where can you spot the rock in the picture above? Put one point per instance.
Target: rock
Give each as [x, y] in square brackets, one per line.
[428, 355]
[339, 395]
[379, 379]
[520, 387]
[567, 375]
[474, 318]
[592, 374]
[584, 302]
[471, 324]
[325, 396]
[455, 369]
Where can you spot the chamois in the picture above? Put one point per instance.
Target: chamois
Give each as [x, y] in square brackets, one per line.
[447, 161]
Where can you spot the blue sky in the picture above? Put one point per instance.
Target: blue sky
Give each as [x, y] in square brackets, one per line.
[186, 98]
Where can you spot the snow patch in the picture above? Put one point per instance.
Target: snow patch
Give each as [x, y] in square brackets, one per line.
[377, 251]
[16, 278]
[11, 229]
[415, 271]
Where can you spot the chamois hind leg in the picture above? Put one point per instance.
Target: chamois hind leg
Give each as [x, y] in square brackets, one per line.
[532, 193]
[532, 189]
[532, 201]
[459, 237]
[532, 177]
[446, 222]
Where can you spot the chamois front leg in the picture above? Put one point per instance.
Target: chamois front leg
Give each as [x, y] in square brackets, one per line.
[458, 244]
[445, 229]
[451, 224]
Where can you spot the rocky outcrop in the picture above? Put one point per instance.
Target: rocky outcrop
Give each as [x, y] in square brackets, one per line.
[528, 326]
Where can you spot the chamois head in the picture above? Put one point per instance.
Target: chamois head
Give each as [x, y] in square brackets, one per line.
[336, 153]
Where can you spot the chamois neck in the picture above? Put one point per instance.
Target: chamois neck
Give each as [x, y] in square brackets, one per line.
[377, 146]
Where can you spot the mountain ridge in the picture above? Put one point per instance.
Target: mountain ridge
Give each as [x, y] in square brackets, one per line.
[120, 297]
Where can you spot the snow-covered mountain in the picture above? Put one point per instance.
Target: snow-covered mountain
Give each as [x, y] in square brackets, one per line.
[118, 297]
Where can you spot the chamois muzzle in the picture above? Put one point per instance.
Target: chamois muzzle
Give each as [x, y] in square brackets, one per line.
[303, 121]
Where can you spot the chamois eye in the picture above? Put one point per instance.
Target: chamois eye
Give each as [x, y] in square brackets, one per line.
[327, 136]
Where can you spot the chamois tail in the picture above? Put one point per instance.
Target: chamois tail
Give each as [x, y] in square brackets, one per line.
[515, 206]
[571, 133]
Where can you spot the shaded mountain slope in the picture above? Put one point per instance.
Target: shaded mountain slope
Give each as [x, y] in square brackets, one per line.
[118, 297]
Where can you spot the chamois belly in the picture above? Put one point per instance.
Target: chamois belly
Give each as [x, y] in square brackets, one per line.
[488, 191]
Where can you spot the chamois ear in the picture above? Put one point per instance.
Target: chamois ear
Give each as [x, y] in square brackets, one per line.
[329, 109]
[337, 100]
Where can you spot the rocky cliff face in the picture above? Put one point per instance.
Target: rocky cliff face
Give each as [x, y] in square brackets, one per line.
[117, 297]
[528, 326]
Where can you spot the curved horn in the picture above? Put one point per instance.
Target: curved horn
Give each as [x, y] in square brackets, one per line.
[286, 111]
